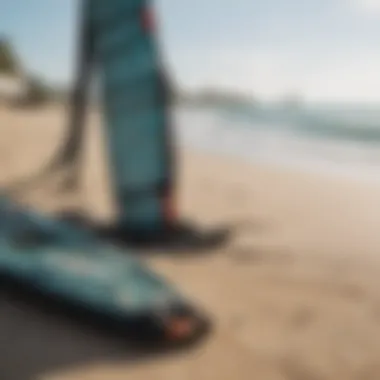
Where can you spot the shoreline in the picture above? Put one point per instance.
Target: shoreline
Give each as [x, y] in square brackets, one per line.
[322, 170]
[278, 145]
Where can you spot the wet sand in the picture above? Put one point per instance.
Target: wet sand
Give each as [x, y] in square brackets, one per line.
[293, 292]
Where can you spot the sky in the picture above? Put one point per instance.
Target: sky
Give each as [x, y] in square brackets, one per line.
[325, 50]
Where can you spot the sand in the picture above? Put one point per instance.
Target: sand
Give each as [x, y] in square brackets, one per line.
[293, 293]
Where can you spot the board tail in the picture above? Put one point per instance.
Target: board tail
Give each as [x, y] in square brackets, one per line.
[136, 112]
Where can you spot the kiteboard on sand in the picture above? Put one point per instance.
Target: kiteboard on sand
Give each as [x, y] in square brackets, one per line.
[71, 265]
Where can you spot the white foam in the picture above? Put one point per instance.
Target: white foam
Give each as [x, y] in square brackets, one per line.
[277, 144]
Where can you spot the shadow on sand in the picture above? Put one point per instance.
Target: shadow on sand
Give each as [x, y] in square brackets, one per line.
[41, 335]
[183, 239]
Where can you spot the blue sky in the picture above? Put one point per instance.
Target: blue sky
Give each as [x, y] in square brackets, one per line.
[324, 49]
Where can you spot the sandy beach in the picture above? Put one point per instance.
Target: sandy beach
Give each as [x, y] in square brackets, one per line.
[294, 293]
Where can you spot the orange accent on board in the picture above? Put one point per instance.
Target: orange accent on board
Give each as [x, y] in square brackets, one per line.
[169, 209]
[147, 19]
[180, 328]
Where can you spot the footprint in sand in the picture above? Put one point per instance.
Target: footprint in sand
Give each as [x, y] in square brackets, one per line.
[303, 317]
[252, 255]
[324, 323]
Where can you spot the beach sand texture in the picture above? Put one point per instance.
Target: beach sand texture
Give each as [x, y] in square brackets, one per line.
[294, 292]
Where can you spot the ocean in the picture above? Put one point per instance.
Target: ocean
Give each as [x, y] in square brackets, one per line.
[341, 140]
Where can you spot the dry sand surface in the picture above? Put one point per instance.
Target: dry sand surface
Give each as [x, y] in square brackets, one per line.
[294, 293]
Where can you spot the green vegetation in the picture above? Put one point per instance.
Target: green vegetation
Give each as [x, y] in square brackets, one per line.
[8, 62]
[38, 92]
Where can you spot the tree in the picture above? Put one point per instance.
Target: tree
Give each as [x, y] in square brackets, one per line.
[38, 92]
[8, 62]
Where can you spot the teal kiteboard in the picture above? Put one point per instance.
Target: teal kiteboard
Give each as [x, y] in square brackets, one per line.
[135, 107]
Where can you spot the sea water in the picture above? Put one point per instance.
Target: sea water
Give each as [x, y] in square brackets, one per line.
[334, 139]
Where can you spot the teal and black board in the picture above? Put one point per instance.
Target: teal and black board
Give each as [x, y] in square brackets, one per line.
[72, 266]
[135, 108]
